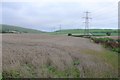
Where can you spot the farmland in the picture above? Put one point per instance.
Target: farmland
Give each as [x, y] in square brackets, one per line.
[98, 32]
[4, 28]
[56, 56]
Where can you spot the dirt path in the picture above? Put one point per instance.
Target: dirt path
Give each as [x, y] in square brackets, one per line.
[56, 56]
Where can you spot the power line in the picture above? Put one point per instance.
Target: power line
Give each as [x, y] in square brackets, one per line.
[86, 32]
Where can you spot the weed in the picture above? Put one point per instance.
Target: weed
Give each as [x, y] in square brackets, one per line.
[11, 74]
[71, 72]
[30, 68]
[51, 69]
[76, 62]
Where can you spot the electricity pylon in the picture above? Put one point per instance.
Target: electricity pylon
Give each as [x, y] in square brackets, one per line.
[86, 31]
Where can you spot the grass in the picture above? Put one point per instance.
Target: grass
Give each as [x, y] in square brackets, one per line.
[108, 56]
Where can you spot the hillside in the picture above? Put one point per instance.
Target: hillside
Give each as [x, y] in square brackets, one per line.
[9, 28]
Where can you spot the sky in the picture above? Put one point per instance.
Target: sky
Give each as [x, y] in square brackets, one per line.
[48, 15]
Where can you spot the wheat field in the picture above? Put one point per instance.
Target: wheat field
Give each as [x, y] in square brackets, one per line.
[51, 56]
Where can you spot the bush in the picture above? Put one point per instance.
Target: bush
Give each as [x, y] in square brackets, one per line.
[108, 43]
[108, 33]
[69, 34]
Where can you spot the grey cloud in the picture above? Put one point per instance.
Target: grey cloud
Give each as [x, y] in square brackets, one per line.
[68, 14]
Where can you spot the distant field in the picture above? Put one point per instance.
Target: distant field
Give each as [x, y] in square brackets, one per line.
[51, 56]
[101, 32]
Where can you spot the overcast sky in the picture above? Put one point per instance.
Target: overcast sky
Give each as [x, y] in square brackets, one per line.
[48, 15]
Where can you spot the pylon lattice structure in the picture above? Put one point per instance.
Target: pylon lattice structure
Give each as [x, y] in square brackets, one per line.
[86, 31]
